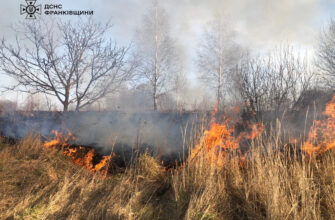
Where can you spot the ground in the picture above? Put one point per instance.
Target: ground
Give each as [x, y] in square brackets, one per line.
[41, 183]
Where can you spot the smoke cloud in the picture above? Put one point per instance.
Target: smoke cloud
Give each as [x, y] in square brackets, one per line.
[260, 24]
[161, 133]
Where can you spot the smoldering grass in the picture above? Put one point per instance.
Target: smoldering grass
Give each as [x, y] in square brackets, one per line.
[276, 182]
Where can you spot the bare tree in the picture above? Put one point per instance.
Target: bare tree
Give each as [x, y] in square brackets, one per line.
[8, 106]
[275, 81]
[32, 103]
[326, 55]
[157, 52]
[252, 83]
[217, 55]
[71, 61]
[48, 103]
[180, 86]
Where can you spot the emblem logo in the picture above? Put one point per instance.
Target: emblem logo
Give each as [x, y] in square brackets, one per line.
[30, 9]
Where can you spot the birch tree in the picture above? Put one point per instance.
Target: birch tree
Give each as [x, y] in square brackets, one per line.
[157, 52]
[326, 55]
[217, 55]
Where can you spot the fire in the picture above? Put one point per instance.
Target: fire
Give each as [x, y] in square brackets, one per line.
[220, 138]
[215, 142]
[83, 156]
[60, 139]
[321, 136]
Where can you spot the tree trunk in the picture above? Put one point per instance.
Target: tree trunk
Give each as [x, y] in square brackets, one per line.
[77, 106]
[219, 98]
[220, 70]
[156, 60]
[66, 101]
[65, 107]
[155, 98]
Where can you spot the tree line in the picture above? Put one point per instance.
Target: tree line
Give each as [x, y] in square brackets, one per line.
[78, 64]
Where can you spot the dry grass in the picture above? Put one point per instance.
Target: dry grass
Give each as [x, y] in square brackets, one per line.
[37, 183]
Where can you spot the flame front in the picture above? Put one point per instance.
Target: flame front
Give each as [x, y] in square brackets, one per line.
[215, 142]
[321, 136]
[83, 156]
[60, 139]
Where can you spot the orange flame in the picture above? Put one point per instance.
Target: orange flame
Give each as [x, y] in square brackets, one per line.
[321, 136]
[220, 138]
[60, 139]
[83, 156]
[215, 142]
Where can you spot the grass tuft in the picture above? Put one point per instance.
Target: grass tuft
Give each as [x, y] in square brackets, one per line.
[40, 183]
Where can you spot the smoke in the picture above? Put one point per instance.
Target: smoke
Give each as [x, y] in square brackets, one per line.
[163, 133]
[106, 131]
[260, 24]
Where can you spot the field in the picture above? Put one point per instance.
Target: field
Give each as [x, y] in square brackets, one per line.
[194, 110]
[280, 182]
[255, 173]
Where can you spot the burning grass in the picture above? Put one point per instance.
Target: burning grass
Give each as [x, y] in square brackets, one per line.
[274, 180]
[321, 137]
[39, 182]
[81, 155]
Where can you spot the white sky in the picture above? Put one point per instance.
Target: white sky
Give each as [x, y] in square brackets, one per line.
[260, 24]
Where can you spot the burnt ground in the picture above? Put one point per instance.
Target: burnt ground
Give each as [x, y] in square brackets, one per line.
[159, 133]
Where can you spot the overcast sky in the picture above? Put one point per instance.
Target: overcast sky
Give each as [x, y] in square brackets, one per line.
[260, 24]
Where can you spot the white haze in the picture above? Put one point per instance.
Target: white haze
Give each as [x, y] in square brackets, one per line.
[260, 24]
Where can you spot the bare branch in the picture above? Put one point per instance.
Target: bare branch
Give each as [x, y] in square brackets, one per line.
[74, 62]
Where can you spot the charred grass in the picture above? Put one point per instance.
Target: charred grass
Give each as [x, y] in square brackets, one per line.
[39, 183]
